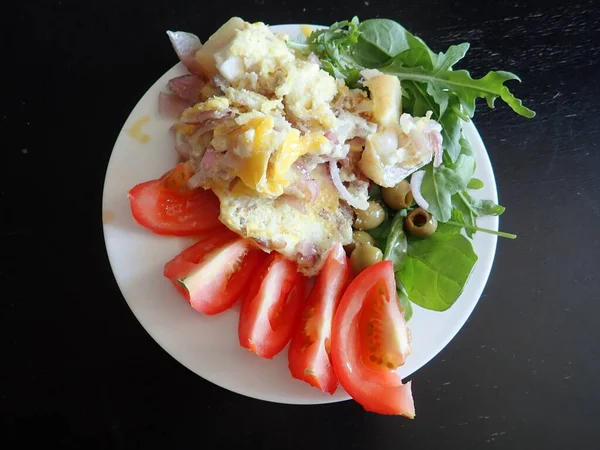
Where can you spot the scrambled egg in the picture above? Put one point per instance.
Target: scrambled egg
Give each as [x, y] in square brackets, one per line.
[254, 59]
[269, 120]
[275, 225]
[307, 92]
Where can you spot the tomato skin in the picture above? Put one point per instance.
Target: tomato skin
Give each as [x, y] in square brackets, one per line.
[167, 212]
[176, 179]
[216, 261]
[271, 307]
[185, 261]
[376, 388]
[309, 353]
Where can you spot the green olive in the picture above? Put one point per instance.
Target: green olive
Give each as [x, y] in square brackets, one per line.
[364, 256]
[359, 238]
[399, 196]
[420, 223]
[369, 218]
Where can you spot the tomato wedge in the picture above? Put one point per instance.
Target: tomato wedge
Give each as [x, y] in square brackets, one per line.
[309, 353]
[167, 212]
[370, 340]
[212, 273]
[271, 308]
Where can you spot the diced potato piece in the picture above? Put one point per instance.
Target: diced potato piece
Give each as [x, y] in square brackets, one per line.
[206, 55]
[379, 146]
[387, 97]
[391, 155]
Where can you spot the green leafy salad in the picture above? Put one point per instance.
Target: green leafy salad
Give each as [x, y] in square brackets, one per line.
[429, 241]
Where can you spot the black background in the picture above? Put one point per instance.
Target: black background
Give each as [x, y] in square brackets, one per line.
[78, 369]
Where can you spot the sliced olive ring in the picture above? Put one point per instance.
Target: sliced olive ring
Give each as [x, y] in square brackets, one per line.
[420, 223]
[398, 196]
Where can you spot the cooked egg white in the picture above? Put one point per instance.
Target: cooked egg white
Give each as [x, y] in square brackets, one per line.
[268, 147]
[274, 224]
[307, 93]
[254, 58]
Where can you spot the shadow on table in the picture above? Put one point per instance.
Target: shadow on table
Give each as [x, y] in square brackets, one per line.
[47, 429]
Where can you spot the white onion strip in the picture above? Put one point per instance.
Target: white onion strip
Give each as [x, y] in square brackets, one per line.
[355, 202]
[436, 141]
[415, 186]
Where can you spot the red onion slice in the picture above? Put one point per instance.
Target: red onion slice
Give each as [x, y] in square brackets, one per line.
[332, 137]
[182, 146]
[312, 188]
[355, 202]
[186, 87]
[292, 201]
[415, 186]
[231, 160]
[171, 106]
[305, 187]
[203, 116]
[186, 45]
[197, 180]
[306, 253]
[209, 160]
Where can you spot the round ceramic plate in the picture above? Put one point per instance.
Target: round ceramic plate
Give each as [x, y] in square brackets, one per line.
[208, 345]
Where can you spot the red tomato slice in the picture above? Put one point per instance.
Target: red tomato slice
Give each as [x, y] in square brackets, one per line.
[166, 212]
[309, 353]
[271, 308]
[212, 273]
[370, 340]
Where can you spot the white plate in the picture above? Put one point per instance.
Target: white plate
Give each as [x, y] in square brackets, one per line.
[209, 345]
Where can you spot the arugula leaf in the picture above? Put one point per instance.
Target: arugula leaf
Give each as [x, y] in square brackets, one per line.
[396, 251]
[439, 184]
[465, 88]
[451, 133]
[418, 102]
[396, 244]
[475, 183]
[464, 214]
[453, 55]
[467, 209]
[445, 61]
[418, 56]
[380, 234]
[437, 269]
[481, 207]
[454, 225]
[405, 302]
[333, 46]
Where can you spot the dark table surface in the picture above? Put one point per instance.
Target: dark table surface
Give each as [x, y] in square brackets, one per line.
[79, 370]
